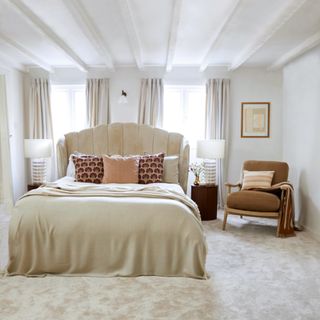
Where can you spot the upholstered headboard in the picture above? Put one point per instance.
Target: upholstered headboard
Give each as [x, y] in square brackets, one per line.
[124, 139]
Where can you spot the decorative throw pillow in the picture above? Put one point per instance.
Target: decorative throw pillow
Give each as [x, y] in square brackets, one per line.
[171, 169]
[151, 168]
[257, 179]
[120, 169]
[88, 168]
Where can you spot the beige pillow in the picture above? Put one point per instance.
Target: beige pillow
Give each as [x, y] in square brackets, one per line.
[257, 179]
[120, 170]
[171, 169]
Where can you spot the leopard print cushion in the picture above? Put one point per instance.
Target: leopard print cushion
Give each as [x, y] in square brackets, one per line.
[88, 168]
[151, 168]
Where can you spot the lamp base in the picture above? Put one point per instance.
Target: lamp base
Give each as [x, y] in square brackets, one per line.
[209, 171]
[39, 171]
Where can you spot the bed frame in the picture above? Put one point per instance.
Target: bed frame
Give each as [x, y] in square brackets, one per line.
[124, 139]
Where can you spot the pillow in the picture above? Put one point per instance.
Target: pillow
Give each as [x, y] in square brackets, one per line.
[256, 179]
[171, 169]
[151, 168]
[120, 169]
[88, 168]
[71, 170]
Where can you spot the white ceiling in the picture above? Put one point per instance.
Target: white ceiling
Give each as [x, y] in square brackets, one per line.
[112, 33]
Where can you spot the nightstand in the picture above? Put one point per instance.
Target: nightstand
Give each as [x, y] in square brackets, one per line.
[205, 196]
[33, 186]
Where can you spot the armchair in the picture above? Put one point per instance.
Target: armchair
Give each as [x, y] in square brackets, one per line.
[259, 203]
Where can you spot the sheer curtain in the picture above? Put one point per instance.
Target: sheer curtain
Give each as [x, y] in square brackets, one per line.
[6, 199]
[151, 102]
[217, 105]
[97, 93]
[40, 119]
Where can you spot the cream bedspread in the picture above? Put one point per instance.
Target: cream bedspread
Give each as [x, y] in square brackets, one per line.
[114, 230]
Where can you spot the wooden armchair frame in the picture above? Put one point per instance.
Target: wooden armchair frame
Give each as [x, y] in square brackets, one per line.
[271, 215]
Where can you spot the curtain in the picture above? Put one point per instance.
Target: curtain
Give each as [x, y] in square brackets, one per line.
[151, 102]
[217, 105]
[40, 110]
[6, 197]
[97, 92]
[40, 123]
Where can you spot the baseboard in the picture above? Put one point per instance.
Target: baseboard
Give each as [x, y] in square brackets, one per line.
[314, 235]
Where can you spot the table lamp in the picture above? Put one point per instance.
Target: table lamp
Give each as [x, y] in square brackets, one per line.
[38, 150]
[209, 151]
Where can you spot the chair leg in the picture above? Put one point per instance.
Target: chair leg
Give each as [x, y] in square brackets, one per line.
[225, 219]
[278, 225]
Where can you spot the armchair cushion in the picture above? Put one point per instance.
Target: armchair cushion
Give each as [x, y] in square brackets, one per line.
[253, 201]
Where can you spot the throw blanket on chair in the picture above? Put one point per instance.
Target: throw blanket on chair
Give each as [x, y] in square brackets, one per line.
[286, 224]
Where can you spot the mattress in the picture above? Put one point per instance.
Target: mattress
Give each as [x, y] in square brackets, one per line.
[71, 228]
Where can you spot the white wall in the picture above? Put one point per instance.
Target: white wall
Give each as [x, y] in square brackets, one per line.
[254, 85]
[14, 90]
[301, 132]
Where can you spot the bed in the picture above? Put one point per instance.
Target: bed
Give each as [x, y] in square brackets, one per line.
[73, 228]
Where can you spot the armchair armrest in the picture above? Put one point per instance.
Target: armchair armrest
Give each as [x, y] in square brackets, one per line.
[232, 185]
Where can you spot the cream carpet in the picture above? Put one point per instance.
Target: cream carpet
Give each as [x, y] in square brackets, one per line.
[254, 275]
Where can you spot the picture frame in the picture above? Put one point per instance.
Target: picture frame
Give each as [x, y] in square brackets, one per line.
[255, 119]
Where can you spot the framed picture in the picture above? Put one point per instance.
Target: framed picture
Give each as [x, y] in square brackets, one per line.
[255, 119]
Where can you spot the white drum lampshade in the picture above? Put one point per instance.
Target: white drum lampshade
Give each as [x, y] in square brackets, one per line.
[38, 150]
[210, 150]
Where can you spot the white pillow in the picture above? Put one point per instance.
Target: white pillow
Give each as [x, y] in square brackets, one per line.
[171, 169]
[71, 169]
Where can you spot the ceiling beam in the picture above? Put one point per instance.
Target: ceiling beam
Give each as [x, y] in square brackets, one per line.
[132, 31]
[218, 34]
[175, 20]
[305, 46]
[42, 27]
[7, 62]
[267, 33]
[88, 27]
[25, 52]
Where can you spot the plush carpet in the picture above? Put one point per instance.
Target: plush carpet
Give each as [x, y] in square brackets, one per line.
[254, 275]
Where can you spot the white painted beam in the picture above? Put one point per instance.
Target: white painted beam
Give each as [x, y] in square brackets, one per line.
[218, 34]
[175, 20]
[42, 27]
[84, 21]
[267, 33]
[305, 46]
[24, 51]
[8, 63]
[132, 31]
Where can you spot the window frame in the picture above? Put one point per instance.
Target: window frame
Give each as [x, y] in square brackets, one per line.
[184, 88]
[71, 90]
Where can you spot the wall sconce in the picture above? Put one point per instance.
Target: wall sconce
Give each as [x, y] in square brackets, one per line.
[123, 98]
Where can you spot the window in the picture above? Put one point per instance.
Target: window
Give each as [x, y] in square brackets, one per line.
[184, 111]
[68, 105]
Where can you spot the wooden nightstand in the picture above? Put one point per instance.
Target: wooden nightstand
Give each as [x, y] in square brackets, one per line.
[205, 196]
[33, 186]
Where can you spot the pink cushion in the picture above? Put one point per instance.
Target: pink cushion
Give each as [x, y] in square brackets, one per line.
[151, 168]
[120, 169]
[88, 168]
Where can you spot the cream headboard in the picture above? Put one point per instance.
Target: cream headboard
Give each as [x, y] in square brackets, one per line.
[124, 139]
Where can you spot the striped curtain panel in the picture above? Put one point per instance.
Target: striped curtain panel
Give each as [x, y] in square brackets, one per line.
[97, 94]
[151, 102]
[217, 105]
